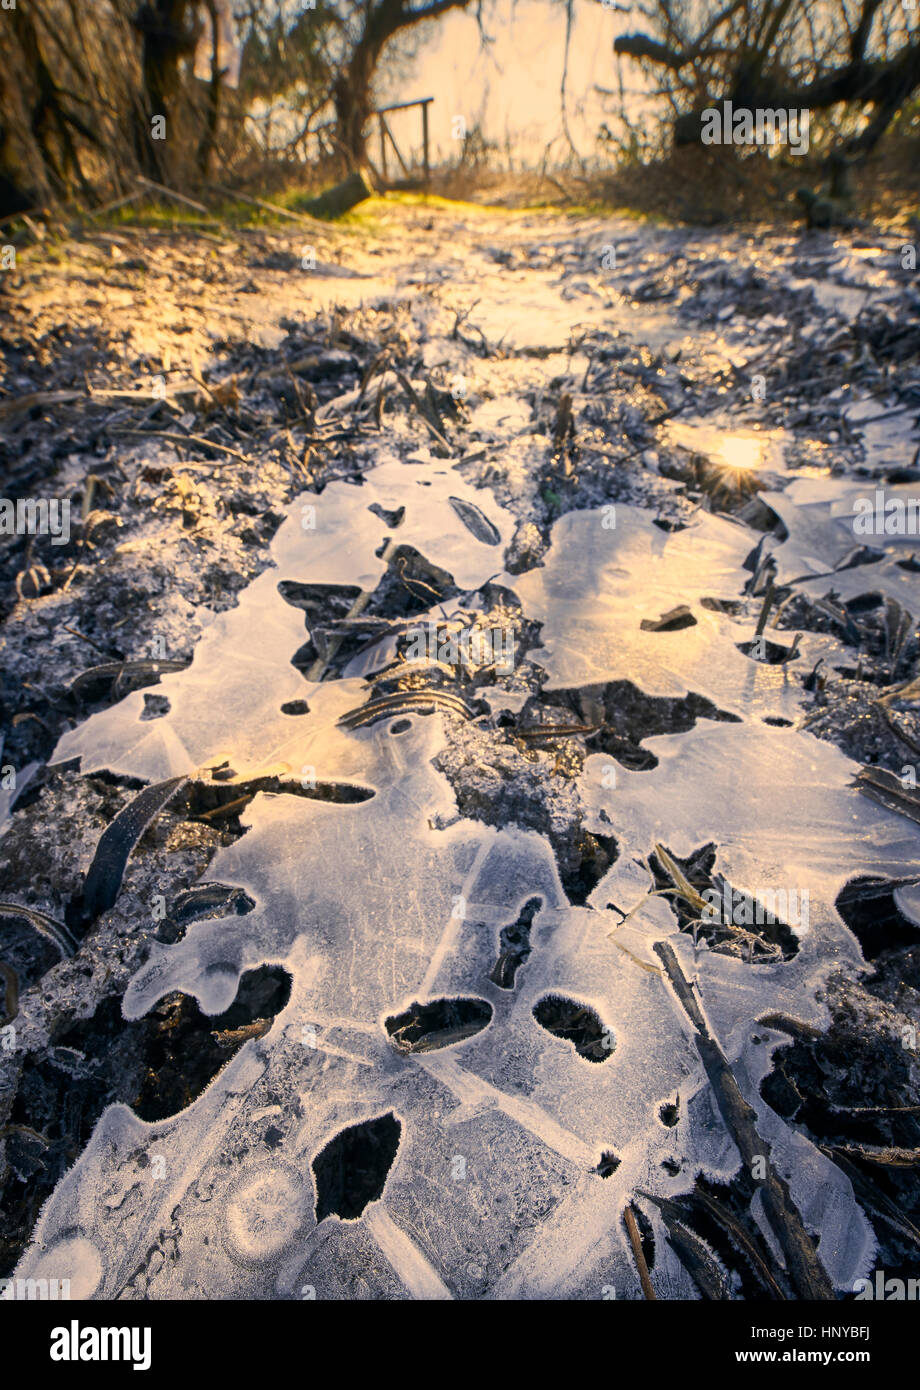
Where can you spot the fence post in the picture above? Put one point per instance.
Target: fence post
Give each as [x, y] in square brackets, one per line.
[425, 141]
[383, 144]
[387, 134]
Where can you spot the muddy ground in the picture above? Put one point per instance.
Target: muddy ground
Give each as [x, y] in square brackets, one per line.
[183, 386]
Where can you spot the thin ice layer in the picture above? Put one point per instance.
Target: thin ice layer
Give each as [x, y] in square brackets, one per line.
[609, 569]
[493, 1188]
[228, 705]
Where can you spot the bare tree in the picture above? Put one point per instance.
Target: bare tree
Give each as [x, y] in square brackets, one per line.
[795, 54]
[169, 32]
[91, 95]
[38, 107]
[324, 59]
[71, 100]
[366, 27]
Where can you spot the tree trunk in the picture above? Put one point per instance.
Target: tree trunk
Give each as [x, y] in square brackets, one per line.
[167, 36]
[208, 139]
[14, 196]
[15, 192]
[351, 98]
[52, 124]
[351, 92]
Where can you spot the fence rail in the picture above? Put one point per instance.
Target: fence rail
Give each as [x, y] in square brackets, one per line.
[386, 134]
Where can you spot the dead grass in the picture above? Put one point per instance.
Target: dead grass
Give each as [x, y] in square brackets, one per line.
[711, 185]
[704, 186]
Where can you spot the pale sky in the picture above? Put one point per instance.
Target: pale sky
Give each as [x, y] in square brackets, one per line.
[513, 85]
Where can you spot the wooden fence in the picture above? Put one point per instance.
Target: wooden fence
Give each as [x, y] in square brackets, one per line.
[387, 134]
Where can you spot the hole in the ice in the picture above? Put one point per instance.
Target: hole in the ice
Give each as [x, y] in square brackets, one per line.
[225, 803]
[608, 1164]
[753, 929]
[188, 1048]
[211, 900]
[671, 1167]
[864, 603]
[321, 602]
[305, 657]
[766, 652]
[612, 718]
[158, 1065]
[339, 793]
[867, 904]
[862, 555]
[675, 620]
[351, 1171]
[400, 726]
[669, 1112]
[733, 606]
[392, 519]
[622, 717]
[155, 706]
[514, 945]
[326, 608]
[582, 857]
[439, 1023]
[581, 875]
[295, 707]
[578, 1024]
[410, 585]
[475, 521]
[205, 900]
[777, 721]
[646, 1234]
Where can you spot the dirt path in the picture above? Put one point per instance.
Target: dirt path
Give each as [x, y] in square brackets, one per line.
[457, 747]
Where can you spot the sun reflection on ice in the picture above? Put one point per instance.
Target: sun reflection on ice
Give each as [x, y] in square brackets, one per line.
[737, 451]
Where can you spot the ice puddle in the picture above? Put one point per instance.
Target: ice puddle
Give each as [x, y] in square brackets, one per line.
[483, 1149]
